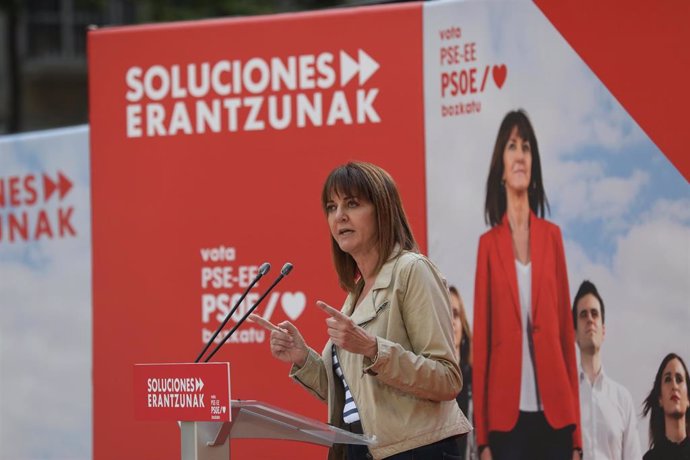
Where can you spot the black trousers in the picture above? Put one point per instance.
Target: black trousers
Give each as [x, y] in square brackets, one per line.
[532, 439]
[445, 449]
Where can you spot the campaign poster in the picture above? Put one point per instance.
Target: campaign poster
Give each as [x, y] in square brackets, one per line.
[622, 206]
[45, 300]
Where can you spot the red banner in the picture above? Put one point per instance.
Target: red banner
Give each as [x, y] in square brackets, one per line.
[210, 143]
[641, 59]
[186, 392]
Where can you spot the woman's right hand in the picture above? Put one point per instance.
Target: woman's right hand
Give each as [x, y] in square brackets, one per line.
[486, 454]
[288, 345]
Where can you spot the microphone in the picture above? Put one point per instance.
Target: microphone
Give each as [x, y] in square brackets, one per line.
[263, 269]
[283, 273]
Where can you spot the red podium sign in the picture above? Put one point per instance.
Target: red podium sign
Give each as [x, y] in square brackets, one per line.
[182, 392]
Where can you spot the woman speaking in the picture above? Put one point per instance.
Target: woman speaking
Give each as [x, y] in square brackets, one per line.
[389, 367]
[525, 388]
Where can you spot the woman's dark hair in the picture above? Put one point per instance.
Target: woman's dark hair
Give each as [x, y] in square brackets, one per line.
[657, 428]
[495, 205]
[365, 180]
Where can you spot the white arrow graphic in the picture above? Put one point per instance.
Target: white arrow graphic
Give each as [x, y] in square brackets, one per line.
[367, 67]
[199, 384]
[348, 68]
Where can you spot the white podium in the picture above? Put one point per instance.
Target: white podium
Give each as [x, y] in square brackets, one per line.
[258, 420]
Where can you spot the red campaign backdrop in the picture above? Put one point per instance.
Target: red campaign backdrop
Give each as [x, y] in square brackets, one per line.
[159, 200]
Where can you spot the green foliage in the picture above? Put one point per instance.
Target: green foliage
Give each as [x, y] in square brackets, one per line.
[162, 10]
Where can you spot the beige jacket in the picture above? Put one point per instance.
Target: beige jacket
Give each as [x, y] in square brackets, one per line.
[406, 398]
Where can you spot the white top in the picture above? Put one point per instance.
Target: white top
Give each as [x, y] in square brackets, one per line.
[609, 424]
[529, 399]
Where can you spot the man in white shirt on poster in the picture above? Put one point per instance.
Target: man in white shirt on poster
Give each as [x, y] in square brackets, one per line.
[609, 423]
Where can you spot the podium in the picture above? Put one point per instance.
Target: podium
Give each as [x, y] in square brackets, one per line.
[258, 420]
[197, 397]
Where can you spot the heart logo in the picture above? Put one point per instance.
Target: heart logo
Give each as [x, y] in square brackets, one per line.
[293, 304]
[499, 72]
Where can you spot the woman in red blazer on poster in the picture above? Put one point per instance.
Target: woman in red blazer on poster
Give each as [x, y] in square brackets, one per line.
[525, 376]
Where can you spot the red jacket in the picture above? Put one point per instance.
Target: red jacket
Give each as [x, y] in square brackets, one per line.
[497, 346]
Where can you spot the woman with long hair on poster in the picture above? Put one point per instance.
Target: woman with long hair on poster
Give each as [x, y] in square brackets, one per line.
[389, 368]
[525, 387]
[667, 405]
[463, 347]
